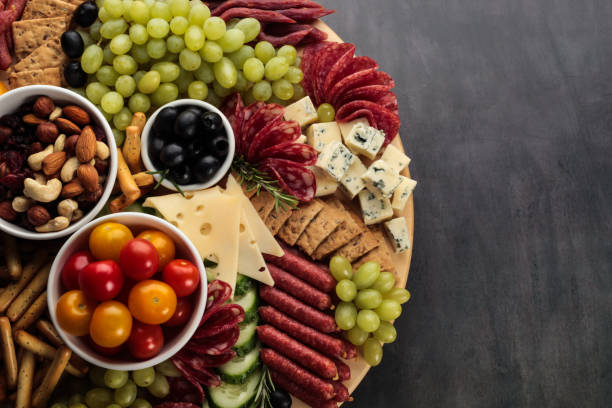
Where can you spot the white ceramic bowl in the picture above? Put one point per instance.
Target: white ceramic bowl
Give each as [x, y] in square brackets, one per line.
[137, 222]
[225, 166]
[11, 101]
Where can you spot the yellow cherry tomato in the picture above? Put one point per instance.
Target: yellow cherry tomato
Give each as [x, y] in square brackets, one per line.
[74, 311]
[3, 88]
[111, 324]
[162, 243]
[107, 240]
[152, 301]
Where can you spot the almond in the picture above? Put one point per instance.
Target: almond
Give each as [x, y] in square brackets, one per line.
[67, 126]
[76, 115]
[38, 215]
[85, 148]
[53, 163]
[72, 189]
[32, 119]
[88, 176]
[43, 106]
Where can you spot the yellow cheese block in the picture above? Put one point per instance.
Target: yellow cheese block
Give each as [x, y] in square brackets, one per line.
[250, 261]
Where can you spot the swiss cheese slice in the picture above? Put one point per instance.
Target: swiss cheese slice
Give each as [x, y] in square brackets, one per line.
[250, 261]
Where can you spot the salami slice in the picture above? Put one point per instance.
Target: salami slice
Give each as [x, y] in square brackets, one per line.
[247, 113]
[264, 16]
[218, 293]
[283, 131]
[295, 152]
[339, 68]
[289, 34]
[350, 67]
[305, 14]
[369, 93]
[389, 101]
[183, 369]
[361, 78]
[217, 344]
[315, 36]
[360, 113]
[294, 178]
[309, 59]
[182, 390]
[385, 120]
[259, 120]
[264, 4]
[218, 319]
[260, 137]
[327, 57]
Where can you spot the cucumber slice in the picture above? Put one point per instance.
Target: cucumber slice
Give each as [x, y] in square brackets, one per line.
[247, 339]
[239, 368]
[249, 302]
[243, 285]
[234, 395]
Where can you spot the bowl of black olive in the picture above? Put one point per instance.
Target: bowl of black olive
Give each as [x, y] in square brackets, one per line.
[187, 145]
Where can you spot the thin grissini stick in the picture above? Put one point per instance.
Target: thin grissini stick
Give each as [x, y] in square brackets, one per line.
[46, 329]
[130, 190]
[40, 348]
[26, 380]
[131, 148]
[143, 179]
[8, 351]
[11, 255]
[59, 363]
[139, 119]
[33, 313]
[12, 290]
[28, 295]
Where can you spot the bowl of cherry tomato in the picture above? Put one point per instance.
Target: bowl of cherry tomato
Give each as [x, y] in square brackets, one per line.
[127, 291]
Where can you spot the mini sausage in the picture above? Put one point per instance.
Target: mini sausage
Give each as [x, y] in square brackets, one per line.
[300, 289]
[342, 394]
[344, 371]
[296, 390]
[350, 350]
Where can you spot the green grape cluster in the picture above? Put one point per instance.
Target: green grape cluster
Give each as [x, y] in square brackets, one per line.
[369, 304]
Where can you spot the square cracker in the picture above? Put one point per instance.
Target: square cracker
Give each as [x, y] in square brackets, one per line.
[48, 55]
[30, 34]
[47, 8]
[299, 220]
[350, 227]
[359, 246]
[47, 76]
[277, 219]
[320, 228]
[380, 254]
[263, 203]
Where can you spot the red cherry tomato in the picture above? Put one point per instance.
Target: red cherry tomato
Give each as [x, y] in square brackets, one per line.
[139, 259]
[182, 313]
[74, 265]
[105, 351]
[146, 340]
[101, 280]
[183, 276]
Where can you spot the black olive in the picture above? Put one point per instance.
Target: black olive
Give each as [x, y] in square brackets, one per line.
[195, 149]
[205, 168]
[164, 122]
[219, 146]
[172, 155]
[181, 175]
[74, 74]
[72, 44]
[196, 110]
[280, 399]
[186, 124]
[86, 14]
[212, 123]
[156, 144]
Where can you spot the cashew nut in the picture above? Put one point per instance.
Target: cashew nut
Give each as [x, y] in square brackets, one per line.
[21, 204]
[59, 144]
[40, 177]
[69, 168]
[67, 207]
[57, 112]
[43, 193]
[35, 160]
[102, 150]
[56, 224]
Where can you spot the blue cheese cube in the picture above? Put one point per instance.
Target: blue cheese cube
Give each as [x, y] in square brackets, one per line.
[397, 231]
[374, 208]
[365, 140]
[326, 184]
[335, 159]
[346, 127]
[395, 158]
[402, 194]
[351, 183]
[381, 178]
[302, 111]
[320, 135]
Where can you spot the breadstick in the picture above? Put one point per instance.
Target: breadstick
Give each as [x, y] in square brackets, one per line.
[33, 312]
[29, 294]
[43, 392]
[11, 255]
[40, 373]
[130, 190]
[26, 380]
[40, 348]
[143, 179]
[131, 148]
[46, 329]
[8, 348]
[139, 119]
[13, 289]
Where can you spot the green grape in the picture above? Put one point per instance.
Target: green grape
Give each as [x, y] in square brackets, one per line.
[121, 121]
[183, 81]
[346, 290]
[141, 403]
[241, 82]
[169, 57]
[294, 75]
[144, 377]
[158, 28]
[225, 73]
[198, 14]
[119, 137]
[386, 332]
[168, 71]
[156, 48]
[94, 30]
[288, 52]
[125, 64]
[388, 310]
[149, 3]
[276, 68]
[139, 103]
[213, 99]
[175, 44]
[340, 268]
[366, 275]
[107, 116]
[87, 40]
[264, 51]
[194, 38]
[197, 90]
[107, 75]
[139, 34]
[282, 89]
[372, 352]
[114, 8]
[164, 94]
[189, 60]
[91, 60]
[368, 320]
[326, 113]
[140, 54]
[161, 9]
[253, 69]
[115, 378]
[127, 4]
[400, 295]
[104, 15]
[149, 82]
[179, 7]
[138, 75]
[262, 91]
[139, 12]
[212, 51]
[126, 395]
[113, 28]
[357, 336]
[298, 92]
[178, 25]
[248, 97]
[107, 55]
[98, 398]
[345, 315]
[112, 102]
[368, 299]
[59, 405]
[113, 405]
[99, 376]
[385, 282]
[168, 369]
[250, 27]
[205, 73]
[214, 28]
[78, 405]
[221, 91]
[121, 44]
[232, 40]
[160, 387]
[298, 62]
[239, 57]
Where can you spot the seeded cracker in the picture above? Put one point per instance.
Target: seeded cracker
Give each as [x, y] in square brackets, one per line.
[359, 246]
[299, 220]
[350, 227]
[263, 203]
[47, 8]
[47, 76]
[277, 219]
[320, 228]
[380, 254]
[30, 34]
[48, 55]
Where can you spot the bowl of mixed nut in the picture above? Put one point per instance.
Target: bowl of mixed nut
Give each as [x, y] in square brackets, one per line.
[58, 162]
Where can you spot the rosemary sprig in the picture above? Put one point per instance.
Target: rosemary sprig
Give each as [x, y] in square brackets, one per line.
[264, 389]
[256, 180]
[164, 175]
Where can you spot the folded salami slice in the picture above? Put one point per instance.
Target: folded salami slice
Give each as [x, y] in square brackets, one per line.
[349, 67]
[260, 119]
[281, 131]
[315, 36]
[309, 59]
[218, 319]
[217, 344]
[295, 152]
[218, 293]
[305, 14]
[264, 16]
[289, 34]
[248, 112]
[182, 367]
[294, 178]
[389, 101]
[182, 390]
[340, 67]
[385, 120]
[369, 93]
[358, 79]
[264, 4]
[330, 54]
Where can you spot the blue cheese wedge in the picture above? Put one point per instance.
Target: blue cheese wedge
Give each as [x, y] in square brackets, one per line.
[402, 194]
[346, 127]
[395, 158]
[397, 231]
[302, 111]
[381, 179]
[365, 140]
[335, 159]
[320, 135]
[326, 184]
[374, 208]
[351, 183]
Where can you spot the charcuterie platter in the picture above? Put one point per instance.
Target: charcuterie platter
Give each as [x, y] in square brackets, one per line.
[201, 204]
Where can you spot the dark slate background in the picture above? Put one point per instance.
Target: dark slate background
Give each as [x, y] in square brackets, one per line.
[507, 115]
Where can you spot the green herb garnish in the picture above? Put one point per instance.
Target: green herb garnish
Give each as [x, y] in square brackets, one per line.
[164, 175]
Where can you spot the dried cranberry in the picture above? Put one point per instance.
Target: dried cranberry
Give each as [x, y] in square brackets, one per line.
[5, 133]
[11, 121]
[99, 132]
[26, 108]
[13, 181]
[14, 160]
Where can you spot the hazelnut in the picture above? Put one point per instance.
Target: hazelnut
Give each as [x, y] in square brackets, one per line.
[70, 144]
[38, 215]
[47, 132]
[43, 106]
[35, 148]
[7, 212]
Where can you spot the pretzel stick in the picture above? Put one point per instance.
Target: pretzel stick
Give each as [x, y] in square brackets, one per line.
[33, 313]
[14, 288]
[26, 380]
[43, 392]
[46, 329]
[40, 348]
[11, 255]
[8, 348]
[130, 190]
[29, 294]
[131, 148]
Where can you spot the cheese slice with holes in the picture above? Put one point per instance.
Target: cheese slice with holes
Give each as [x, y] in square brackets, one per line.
[250, 261]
